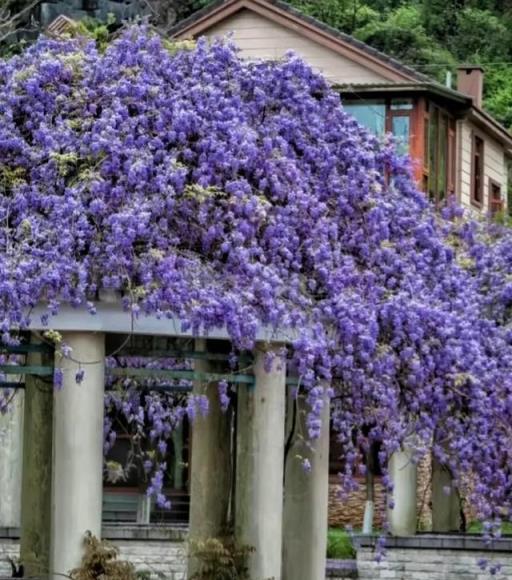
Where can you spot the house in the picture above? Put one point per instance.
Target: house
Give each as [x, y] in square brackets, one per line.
[456, 147]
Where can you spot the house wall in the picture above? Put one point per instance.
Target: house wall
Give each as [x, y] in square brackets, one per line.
[258, 37]
[494, 164]
[348, 511]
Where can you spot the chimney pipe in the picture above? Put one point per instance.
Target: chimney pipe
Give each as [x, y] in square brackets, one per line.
[470, 81]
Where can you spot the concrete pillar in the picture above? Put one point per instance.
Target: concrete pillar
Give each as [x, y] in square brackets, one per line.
[37, 470]
[306, 498]
[403, 474]
[210, 464]
[445, 506]
[259, 467]
[369, 506]
[143, 509]
[77, 452]
[11, 445]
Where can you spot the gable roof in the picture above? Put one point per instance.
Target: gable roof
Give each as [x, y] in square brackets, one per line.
[289, 17]
[390, 69]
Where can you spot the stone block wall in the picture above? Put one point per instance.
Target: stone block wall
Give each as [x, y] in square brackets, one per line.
[349, 511]
[158, 550]
[9, 548]
[435, 558]
[159, 558]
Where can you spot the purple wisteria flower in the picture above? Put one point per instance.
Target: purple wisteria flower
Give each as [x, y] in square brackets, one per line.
[240, 194]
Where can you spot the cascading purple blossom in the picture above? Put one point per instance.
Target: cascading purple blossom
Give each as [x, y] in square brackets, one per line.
[239, 194]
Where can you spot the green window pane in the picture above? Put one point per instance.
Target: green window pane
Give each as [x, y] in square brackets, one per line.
[400, 129]
[369, 114]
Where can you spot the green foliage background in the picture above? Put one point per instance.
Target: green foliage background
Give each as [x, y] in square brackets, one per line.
[434, 36]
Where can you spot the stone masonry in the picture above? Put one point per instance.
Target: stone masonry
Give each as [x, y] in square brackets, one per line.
[435, 557]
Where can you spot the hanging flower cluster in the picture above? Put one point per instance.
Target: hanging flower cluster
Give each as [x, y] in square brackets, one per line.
[239, 194]
[148, 411]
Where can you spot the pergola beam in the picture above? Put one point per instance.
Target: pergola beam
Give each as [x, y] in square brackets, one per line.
[113, 318]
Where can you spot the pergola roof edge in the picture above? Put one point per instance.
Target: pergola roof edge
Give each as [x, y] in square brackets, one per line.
[112, 318]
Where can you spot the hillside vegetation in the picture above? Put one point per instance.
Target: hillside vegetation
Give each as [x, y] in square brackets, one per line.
[434, 36]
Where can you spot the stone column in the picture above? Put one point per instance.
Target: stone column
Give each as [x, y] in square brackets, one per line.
[210, 463]
[259, 467]
[403, 474]
[37, 470]
[143, 509]
[306, 498]
[77, 452]
[445, 506]
[11, 445]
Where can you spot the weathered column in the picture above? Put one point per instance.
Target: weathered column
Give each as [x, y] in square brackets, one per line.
[445, 500]
[210, 463]
[77, 451]
[259, 467]
[11, 444]
[37, 469]
[369, 506]
[306, 497]
[143, 509]
[403, 474]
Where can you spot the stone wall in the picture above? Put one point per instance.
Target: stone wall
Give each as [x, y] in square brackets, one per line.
[158, 550]
[349, 511]
[425, 557]
[9, 548]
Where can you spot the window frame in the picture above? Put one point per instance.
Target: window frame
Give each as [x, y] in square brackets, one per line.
[447, 139]
[389, 113]
[475, 137]
[392, 114]
[491, 187]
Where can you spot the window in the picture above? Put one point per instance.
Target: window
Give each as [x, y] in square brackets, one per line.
[369, 114]
[495, 198]
[477, 171]
[385, 116]
[400, 129]
[399, 123]
[439, 154]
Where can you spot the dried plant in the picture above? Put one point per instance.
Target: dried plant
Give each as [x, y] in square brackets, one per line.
[219, 559]
[100, 562]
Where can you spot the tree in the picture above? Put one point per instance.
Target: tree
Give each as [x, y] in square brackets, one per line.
[346, 15]
[15, 17]
[403, 35]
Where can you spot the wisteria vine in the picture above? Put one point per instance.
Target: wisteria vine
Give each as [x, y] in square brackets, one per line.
[240, 194]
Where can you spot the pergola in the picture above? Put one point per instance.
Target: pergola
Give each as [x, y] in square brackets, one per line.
[62, 494]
